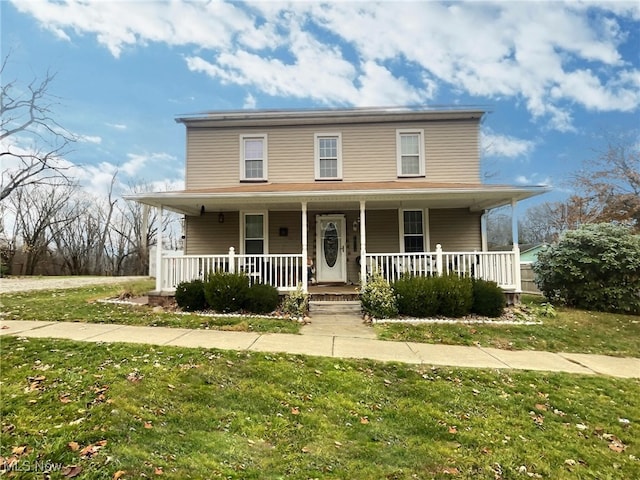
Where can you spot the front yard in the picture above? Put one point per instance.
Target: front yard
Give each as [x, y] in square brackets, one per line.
[116, 411]
[571, 330]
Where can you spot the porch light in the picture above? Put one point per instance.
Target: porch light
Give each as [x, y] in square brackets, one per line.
[221, 217]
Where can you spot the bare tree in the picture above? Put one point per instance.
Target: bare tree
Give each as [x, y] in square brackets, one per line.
[26, 115]
[610, 183]
[38, 221]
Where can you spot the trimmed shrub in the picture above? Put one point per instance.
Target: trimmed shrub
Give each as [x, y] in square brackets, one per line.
[296, 304]
[190, 296]
[226, 292]
[262, 298]
[455, 295]
[417, 296]
[488, 298]
[595, 267]
[378, 299]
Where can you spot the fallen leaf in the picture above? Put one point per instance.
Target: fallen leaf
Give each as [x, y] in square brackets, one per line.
[171, 387]
[617, 446]
[74, 446]
[337, 444]
[158, 471]
[453, 429]
[486, 451]
[541, 406]
[19, 450]
[64, 398]
[451, 471]
[305, 450]
[148, 425]
[295, 411]
[364, 420]
[118, 474]
[71, 471]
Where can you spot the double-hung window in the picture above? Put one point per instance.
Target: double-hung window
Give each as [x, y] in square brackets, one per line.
[328, 156]
[253, 157]
[410, 152]
[413, 230]
[254, 227]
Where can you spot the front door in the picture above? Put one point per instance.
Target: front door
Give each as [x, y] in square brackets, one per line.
[331, 264]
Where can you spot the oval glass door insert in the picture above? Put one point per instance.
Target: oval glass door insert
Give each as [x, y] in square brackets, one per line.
[330, 242]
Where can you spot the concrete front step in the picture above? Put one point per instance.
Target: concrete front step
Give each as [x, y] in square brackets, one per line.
[334, 307]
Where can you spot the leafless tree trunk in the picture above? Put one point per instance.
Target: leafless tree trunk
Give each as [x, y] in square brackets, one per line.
[37, 215]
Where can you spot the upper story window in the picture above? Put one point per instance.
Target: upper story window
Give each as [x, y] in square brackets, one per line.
[410, 151]
[253, 157]
[328, 156]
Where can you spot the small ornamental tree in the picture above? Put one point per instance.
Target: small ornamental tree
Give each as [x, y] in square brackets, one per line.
[595, 267]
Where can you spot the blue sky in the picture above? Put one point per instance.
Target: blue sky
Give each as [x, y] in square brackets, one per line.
[555, 75]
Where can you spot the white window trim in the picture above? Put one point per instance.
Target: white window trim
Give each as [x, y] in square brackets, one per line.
[265, 229]
[425, 226]
[265, 157]
[316, 154]
[421, 161]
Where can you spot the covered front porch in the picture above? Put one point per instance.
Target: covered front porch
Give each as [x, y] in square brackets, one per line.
[338, 233]
[286, 272]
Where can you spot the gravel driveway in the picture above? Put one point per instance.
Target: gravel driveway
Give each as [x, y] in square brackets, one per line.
[25, 284]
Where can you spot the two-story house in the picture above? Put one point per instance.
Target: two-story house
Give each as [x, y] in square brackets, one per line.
[348, 190]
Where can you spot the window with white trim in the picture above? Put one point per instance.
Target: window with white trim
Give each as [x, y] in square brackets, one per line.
[254, 228]
[410, 151]
[253, 157]
[328, 156]
[413, 231]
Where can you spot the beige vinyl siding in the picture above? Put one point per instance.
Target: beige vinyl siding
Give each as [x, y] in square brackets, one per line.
[292, 243]
[368, 152]
[452, 151]
[382, 231]
[206, 236]
[457, 230]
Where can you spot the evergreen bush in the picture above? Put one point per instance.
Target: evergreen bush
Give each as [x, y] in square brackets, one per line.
[190, 296]
[417, 296]
[455, 295]
[226, 292]
[262, 298]
[488, 298]
[296, 303]
[595, 267]
[378, 298]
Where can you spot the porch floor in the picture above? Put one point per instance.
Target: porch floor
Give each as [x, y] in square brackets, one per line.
[332, 292]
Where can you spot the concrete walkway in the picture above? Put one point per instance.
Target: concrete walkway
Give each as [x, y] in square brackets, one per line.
[332, 336]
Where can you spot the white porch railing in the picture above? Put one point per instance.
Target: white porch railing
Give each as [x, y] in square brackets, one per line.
[282, 271]
[500, 267]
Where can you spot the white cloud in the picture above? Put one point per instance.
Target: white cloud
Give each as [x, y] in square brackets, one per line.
[117, 126]
[250, 102]
[89, 139]
[496, 145]
[532, 180]
[551, 56]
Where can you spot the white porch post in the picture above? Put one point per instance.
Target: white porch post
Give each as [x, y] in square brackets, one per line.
[159, 251]
[517, 278]
[363, 245]
[305, 253]
[483, 231]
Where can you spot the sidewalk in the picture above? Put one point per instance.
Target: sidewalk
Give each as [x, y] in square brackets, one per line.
[332, 336]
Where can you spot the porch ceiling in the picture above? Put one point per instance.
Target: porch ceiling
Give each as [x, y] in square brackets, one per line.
[343, 195]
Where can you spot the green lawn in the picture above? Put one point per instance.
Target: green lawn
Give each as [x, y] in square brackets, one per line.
[81, 305]
[572, 330]
[106, 409]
